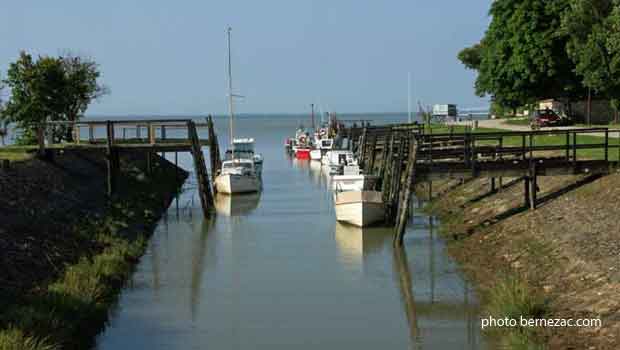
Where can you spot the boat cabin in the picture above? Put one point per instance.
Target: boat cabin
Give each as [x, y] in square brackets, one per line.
[238, 167]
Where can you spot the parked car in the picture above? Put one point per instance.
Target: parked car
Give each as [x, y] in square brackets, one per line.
[548, 117]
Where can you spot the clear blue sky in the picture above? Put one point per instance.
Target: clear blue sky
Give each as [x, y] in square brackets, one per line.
[169, 57]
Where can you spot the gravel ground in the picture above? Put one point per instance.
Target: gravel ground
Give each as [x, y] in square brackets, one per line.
[568, 249]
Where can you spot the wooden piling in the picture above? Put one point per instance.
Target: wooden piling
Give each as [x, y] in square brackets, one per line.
[526, 190]
[202, 175]
[395, 181]
[533, 186]
[214, 149]
[406, 197]
[112, 162]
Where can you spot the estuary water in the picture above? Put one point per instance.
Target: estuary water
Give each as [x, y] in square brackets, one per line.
[275, 271]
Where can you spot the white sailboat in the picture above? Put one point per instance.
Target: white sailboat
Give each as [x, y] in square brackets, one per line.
[239, 172]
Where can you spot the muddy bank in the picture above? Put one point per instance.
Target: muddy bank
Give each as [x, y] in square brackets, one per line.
[60, 235]
[567, 250]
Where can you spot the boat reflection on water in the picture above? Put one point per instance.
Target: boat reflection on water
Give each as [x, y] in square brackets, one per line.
[236, 204]
[357, 246]
[301, 163]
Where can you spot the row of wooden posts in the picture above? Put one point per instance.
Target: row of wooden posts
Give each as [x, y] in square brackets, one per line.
[113, 146]
[403, 155]
[389, 152]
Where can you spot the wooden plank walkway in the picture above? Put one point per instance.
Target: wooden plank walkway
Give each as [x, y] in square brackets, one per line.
[116, 136]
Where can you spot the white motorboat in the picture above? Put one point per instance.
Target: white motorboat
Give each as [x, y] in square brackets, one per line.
[322, 147]
[337, 159]
[359, 208]
[244, 149]
[357, 201]
[237, 176]
[343, 183]
[315, 154]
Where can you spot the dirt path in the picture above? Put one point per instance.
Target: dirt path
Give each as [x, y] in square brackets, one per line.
[501, 124]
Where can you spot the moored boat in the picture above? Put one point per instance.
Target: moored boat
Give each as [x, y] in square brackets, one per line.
[356, 200]
[244, 149]
[357, 182]
[359, 208]
[237, 176]
[302, 153]
[240, 172]
[322, 147]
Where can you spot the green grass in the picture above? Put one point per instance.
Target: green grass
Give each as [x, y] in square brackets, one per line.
[511, 297]
[16, 153]
[558, 139]
[14, 339]
[608, 125]
[77, 303]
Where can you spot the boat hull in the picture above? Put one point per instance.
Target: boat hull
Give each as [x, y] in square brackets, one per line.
[302, 153]
[316, 154]
[359, 208]
[232, 183]
[354, 182]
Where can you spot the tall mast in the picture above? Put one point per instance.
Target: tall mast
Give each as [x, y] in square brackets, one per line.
[230, 95]
[312, 107]
[409, 97]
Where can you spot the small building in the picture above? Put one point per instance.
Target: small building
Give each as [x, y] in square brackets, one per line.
[445, 111]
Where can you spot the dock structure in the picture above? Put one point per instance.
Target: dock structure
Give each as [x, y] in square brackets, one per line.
[147, 136]
[404, 155]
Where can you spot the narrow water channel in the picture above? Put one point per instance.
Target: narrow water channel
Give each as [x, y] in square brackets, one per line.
[275, 271]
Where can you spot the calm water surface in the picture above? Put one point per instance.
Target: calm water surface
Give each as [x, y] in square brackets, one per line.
[275, 271]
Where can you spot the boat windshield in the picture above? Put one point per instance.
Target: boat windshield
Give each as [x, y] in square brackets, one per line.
[244, 147]
[326, 143]
[231, 165]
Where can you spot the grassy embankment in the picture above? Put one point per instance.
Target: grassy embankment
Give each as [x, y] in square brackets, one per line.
[472, 217]
[68, 312]
[16, 153]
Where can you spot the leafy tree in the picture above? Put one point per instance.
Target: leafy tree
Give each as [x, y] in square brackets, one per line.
[594, 46]
[36, 93]
[471, 57]
[81, 86]
[522, 57]
[50, 89]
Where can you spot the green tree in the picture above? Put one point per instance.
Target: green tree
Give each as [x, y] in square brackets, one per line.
[36, 93]
[522, 57]
[81, 86]
[50, 89]
[594, 45]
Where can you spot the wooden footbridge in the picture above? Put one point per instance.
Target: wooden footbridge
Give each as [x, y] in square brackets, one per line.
[144, 136]
[404, 155]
